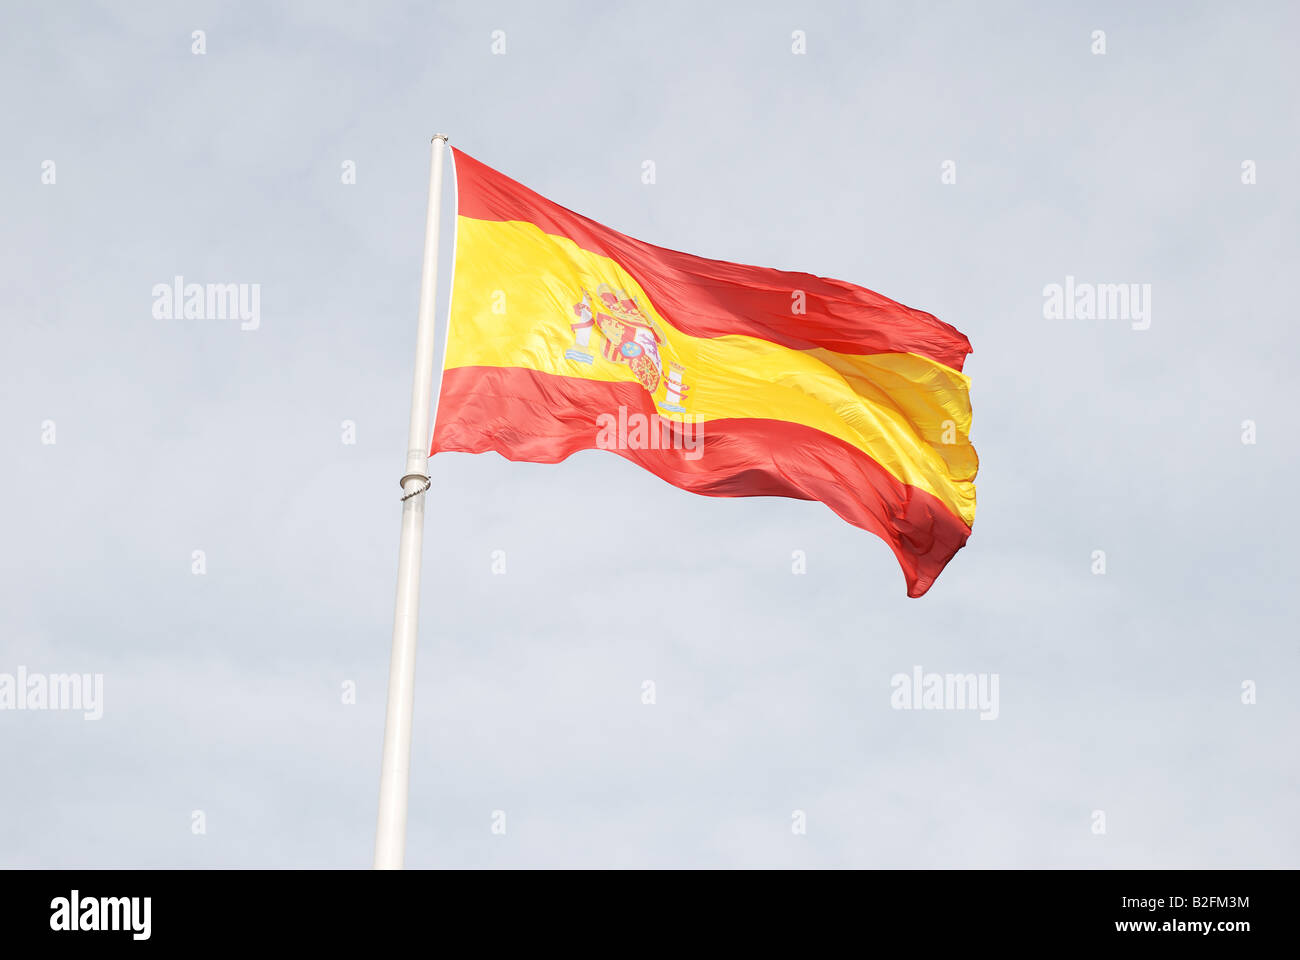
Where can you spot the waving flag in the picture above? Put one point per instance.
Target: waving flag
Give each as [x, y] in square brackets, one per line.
[723, 379]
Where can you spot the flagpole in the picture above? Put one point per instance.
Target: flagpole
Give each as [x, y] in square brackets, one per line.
[395, 773]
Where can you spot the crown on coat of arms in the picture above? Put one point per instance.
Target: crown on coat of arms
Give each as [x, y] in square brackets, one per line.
[622, 307]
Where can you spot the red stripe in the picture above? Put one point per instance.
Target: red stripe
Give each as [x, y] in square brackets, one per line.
[527, 415]
[714, 298]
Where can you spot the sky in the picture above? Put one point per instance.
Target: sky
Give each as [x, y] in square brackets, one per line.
[185, 517]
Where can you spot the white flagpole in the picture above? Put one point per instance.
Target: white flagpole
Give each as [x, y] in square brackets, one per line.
[395, 774]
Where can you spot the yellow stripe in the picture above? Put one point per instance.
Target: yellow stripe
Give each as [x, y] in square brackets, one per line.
[512, 306]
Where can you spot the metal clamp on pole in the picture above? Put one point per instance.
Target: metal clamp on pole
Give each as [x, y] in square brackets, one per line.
[408, 494]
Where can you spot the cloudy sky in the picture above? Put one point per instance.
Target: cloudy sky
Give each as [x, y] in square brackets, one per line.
[134, 441]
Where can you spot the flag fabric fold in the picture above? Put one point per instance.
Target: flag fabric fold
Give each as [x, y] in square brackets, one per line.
[722, 379]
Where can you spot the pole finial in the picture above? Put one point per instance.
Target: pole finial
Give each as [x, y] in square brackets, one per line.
[441, 136]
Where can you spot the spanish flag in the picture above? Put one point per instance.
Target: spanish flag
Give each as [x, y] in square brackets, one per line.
[722, 379]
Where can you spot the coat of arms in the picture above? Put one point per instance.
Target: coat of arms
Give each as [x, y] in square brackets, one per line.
[630, 336]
